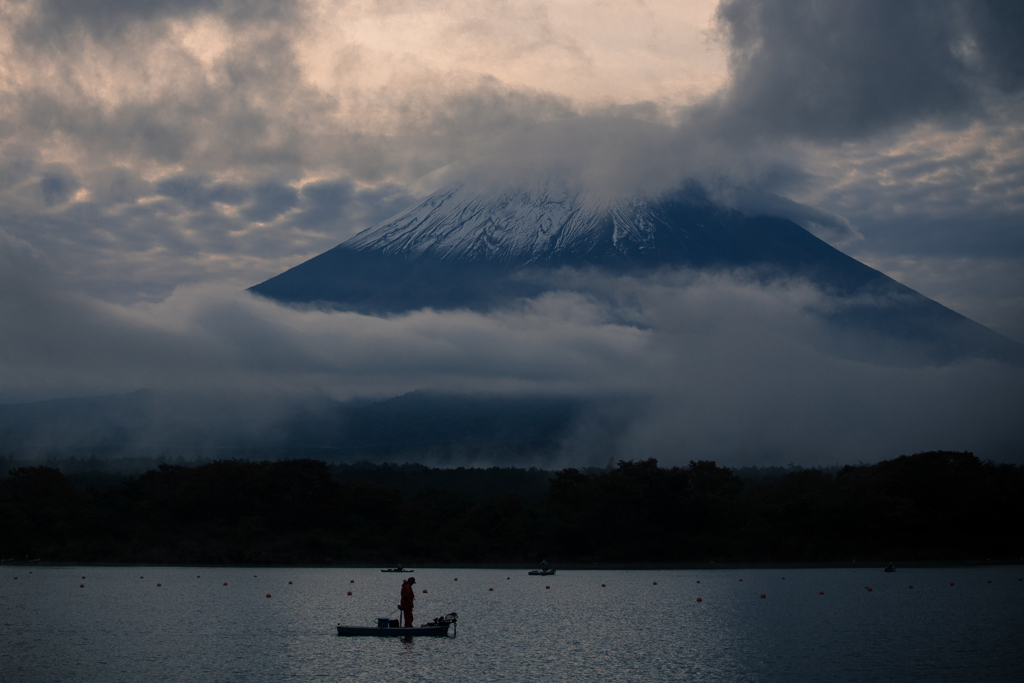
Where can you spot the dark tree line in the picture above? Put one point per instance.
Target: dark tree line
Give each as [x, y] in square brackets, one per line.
[928, 506]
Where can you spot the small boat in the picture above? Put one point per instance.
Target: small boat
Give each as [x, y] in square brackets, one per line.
[389, 628]
[398, 570]
[542, 572]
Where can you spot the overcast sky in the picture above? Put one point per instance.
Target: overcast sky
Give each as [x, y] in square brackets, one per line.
[157, 156]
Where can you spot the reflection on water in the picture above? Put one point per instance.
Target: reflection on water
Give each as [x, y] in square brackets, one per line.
[643, 625]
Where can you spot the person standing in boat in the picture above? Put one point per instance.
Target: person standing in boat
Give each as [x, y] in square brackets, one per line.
[407, 598]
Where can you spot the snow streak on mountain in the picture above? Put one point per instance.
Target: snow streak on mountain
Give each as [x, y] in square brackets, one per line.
[508, 226]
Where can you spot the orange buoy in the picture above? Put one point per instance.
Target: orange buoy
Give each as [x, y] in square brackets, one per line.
[821, 592]
[424, 590]
[990, 582]
[158, 585]
[655, 583]
[699, 600]
[783, 578]
[289, 583]
[741, 579]
[911, 585]
[870, 590]
[350, 592]
[602, 585]
[950, 583]
[698, 581]
[456, 578]
[81, 585]
[225, 583]
[268, 595]
[763, 595]
[490, 589]
[352, 581]
[508, 578]
[198, 577]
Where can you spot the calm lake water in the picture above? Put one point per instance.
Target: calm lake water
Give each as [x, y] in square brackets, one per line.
[122, 627]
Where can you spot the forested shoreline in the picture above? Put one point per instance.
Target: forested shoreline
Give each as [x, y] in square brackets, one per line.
[927, 507]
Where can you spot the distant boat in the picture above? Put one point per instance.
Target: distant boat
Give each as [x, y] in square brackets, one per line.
[890, 567]
[542, 572]
[389, 628]
[398, 570]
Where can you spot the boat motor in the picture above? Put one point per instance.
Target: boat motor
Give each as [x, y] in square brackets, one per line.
[450, 618]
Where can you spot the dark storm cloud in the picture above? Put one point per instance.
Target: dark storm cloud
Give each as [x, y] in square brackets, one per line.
[828, 226]
[199, 192]
[339, 205]
[138, 240]
[107, 18]
[251, 111]
[58, 184]
[112, 186]
[996, 29]
[835, 70]
[17, 162]
[270, 200]
[340, 202]
[249, 117]
[930, 195]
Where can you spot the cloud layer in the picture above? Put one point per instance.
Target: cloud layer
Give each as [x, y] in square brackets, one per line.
[710, 366]
[838, 71]
[158, 157]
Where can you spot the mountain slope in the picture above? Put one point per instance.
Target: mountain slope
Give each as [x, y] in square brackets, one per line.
[464, 249]
[433, 254]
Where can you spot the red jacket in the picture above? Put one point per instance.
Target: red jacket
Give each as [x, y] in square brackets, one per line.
[407, 596]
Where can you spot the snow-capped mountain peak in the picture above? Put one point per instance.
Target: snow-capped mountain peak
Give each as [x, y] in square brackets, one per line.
[505, 225]
[466, 248]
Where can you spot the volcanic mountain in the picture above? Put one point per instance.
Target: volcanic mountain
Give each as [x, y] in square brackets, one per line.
[462, 248]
